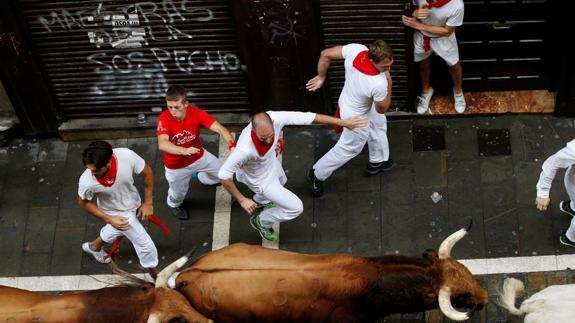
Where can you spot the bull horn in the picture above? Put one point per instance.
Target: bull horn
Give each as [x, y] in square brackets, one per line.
[447, 244]
[153, 318]
[447, 309]
[162, 279]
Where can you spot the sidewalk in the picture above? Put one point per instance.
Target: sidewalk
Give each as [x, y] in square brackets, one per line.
[480, 168]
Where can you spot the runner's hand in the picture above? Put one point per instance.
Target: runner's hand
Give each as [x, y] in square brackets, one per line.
[542, 203]
[248, 205]
[119, 222]
[145, 210]
[189, 151]
[315, 83]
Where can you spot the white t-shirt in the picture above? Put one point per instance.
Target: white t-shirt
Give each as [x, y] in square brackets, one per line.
[450, 14]
[561, 159]
[122, 197]
[254, 170]
[359, 90]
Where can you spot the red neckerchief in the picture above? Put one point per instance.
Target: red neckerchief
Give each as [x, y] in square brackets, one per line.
[437, 4]
[260, 147]
[110, 177]
[362, 63]
[114, 250]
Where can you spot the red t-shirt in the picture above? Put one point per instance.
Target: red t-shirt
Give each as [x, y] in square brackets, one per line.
[185, 134]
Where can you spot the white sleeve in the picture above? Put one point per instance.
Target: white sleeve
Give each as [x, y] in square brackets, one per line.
[380, 91]
[561, 159]
[291, 118]
[350, 51]
[232, 164]
[138, 163]
[84, 191]
[456, 19]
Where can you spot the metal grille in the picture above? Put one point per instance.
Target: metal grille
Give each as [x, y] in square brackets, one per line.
[109, 58]
[501, 45]
[352, 21]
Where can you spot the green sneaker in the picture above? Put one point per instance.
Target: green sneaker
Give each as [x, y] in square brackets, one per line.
[267, 234]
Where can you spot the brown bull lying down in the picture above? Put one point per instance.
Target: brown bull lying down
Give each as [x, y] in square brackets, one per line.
[138, 302]
[243, 283]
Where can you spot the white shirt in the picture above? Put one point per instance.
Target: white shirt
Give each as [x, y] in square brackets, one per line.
[359, 90]
[122, 196]
[561, 159]
[450, 14]
[254, 170]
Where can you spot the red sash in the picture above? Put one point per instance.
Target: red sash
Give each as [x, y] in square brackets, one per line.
[337, 129]
[430, 4]
[110, 177]
[262, 148]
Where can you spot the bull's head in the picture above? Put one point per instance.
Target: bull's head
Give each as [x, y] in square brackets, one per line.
[458, 282]
[169, 305]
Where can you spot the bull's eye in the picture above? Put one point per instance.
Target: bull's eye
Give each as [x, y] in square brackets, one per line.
[181, 286]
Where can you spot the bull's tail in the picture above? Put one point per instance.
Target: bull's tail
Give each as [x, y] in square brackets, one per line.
[511, 288]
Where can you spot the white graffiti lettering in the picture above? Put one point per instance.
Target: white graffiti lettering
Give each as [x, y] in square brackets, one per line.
[157, 60]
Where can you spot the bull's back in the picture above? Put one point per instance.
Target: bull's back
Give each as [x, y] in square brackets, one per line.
[247, 283]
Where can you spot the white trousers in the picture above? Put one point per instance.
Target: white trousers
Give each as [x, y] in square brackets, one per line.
[570, 188]
[351, 143]
[444, 47]
[179, 179]
[288, 205]
[145, 248]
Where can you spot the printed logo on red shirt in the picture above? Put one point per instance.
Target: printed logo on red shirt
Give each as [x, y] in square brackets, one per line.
[183, 138]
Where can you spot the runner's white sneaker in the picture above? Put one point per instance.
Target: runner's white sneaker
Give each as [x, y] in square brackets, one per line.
[423, 101]
[98, 255]
[459, 102]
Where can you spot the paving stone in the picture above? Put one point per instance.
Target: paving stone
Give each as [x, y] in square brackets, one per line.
[398, 134]
[399, 226]
[366, 247]
[169, 248]
[40, 229]
[147, 148]
[359, 180]
[298, 246]
[526, 175]
[13, 215]
[364, 219]
[196, 235]
[428, 138]
[52, 150]
[461, 140]
[67, 251]
[429, 168]
[48, 190]
[240, 229]
[35, 264]
[500, 216]
[534, 231]
[11, 250]
[433, 225]
[496, 170]
[71, 216]
[397, 185]
[494, 142]
[22, 151]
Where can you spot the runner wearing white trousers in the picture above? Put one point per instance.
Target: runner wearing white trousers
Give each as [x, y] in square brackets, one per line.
[178, 179]
[366, 92]
[564, 158]
[109, 178]
[254, 162]
[351, 143]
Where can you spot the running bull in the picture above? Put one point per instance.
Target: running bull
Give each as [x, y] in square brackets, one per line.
[243, 283]
[138, 301]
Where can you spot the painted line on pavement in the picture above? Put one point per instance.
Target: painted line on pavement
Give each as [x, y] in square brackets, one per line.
[222, 206]
[508, 265]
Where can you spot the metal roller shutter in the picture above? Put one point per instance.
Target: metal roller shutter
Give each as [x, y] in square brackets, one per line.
[110, 58]
[352, 21]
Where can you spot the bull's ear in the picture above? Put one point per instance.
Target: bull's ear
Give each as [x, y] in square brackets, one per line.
[430, 254]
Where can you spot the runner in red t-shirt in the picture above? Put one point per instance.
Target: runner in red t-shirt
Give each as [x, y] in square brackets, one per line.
[178, 134]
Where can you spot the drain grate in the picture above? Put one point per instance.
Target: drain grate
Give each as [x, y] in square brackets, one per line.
[426, 138]
[494, 142]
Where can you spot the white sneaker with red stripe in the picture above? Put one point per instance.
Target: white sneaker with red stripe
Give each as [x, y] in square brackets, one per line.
[98, 255]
